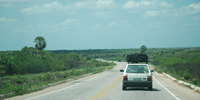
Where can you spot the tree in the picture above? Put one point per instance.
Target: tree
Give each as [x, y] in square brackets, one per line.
[162, 53]
[40, 43]
[143, 48]
[2, 70]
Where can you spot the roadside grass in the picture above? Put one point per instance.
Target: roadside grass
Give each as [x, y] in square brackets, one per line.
[187, 77]
[182, 65]
[22, 84]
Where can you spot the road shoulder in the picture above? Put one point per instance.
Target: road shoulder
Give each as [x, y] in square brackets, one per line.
[180, 91]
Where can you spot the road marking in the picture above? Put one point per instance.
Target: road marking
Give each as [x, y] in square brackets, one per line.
[53, 92]
[112, 87]
[104, 91]
[167, 89]
[118, 82]
[102, 95]
[63, 88]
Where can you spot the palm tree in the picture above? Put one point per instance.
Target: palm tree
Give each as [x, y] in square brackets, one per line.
[143, 48]
[40, 43]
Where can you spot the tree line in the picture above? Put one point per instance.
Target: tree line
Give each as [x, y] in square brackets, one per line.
[30, 60]
[37, 60]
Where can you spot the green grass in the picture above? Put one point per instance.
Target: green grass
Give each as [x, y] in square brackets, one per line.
[183, 65]
[22, 84]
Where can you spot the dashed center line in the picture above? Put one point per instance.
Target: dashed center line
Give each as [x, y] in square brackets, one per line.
[102, 93]
[112, 87]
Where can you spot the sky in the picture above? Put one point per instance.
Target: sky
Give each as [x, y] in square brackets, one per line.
[99, 24]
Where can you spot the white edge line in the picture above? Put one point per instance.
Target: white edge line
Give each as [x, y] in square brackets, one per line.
[167, 89]
[62, 88]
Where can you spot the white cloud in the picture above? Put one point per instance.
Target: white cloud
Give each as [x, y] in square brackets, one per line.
[69, 21]
[130, 4]
[4, 19]
[192, 8]
[150, 8]
[195, 6]
[133, 4]
[147, 4]
[47, 8]
[70, 7]
[165, 4]
[92, 4]
[11, 3]
[151, 13]
[154, 13]
[104, 3]
[84, 4]
[13, 0]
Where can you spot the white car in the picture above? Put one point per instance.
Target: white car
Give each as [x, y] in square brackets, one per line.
[137, 75]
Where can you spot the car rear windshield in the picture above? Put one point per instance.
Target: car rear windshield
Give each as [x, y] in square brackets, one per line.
[137, 69]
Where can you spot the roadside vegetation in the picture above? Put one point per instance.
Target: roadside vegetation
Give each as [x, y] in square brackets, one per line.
[183, 65]
[29, 69]
[32, 69]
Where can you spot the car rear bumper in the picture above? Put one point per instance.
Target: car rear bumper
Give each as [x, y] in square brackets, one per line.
[137, 83]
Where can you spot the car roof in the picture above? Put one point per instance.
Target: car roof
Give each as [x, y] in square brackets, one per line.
[137, 64]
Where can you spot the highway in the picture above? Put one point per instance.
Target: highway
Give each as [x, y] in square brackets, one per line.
[108, 86]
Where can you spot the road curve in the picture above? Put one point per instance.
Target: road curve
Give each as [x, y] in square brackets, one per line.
[108, 86]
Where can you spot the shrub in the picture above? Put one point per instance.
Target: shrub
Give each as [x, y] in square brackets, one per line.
[195, 80]
[183, 63]
[187, 76]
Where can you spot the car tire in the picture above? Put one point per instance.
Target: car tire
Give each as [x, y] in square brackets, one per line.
[150, 88]
[123, 87]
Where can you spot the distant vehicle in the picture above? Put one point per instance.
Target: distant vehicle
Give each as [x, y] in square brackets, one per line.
[137, 75]
[137, 57]
[119, 60]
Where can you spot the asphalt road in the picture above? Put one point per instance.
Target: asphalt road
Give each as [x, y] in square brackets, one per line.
[108, 86]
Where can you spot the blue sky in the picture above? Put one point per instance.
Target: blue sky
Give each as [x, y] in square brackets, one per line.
[99, 24]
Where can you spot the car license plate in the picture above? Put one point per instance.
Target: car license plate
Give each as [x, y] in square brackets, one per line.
[137, 79]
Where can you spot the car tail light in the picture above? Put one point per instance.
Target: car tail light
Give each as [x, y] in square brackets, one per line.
[125, 78]
[149, 78]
